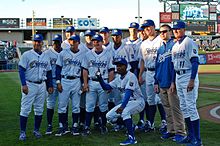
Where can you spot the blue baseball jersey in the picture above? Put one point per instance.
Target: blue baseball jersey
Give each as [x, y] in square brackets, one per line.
[182, 53]
[70, 62]
[164, 66]
[36, 65]
[148, 51]
[94, 62]
[129, 81]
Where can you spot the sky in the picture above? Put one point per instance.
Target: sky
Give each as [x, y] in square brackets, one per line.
[111, 13]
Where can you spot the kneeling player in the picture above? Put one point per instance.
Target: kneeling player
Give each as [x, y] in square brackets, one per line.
[132, 98]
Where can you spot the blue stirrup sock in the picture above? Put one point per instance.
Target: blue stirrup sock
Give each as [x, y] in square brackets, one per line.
[196, 128]
[161, 111]
[75, 117]
[128, 124]
[37, 122]
[88, 119]
[189, 128]
[23, 123]
[50, 113]
[152, 113]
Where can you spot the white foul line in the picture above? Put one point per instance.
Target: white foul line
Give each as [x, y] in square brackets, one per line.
[214, 89]
[213, 112]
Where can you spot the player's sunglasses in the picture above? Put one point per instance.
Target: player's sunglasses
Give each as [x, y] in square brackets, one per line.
[164, 31]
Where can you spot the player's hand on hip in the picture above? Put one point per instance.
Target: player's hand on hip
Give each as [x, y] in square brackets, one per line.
[25, 89]
[59, 87]
[119, 110]
[50, 90]
[85, 88]
[172, 87]
[190, 85]
[156, 89]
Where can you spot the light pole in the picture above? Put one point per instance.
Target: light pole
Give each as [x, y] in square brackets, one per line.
[33, 31]
[139, 12]
[62, 25]
[89, 21]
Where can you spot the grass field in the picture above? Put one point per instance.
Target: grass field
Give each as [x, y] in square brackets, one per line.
[215, 68]
[9, 120]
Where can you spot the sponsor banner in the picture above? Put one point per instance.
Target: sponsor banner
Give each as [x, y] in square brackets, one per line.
[213, 16]
[175, 16]
[213, 58]
[9, 23]
[194, 12]
[212, 9]
[218, 28]
[59, 22]
[175, 8]
[38, 22]
[165, 17]
[218, 18]
[202, 59]
[87, 23]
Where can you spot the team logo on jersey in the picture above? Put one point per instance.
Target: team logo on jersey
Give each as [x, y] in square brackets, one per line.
[38, 64]
[194, 51]
[99, 64]
[131, 84]
[53, 61]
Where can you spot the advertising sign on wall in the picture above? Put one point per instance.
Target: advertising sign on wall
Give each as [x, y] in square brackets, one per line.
[213, 58]
[57, 22]
[9, 23]
[194, 12]
[38, 22]
[165, 17]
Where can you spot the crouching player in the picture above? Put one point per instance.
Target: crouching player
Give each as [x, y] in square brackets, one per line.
[132, 98]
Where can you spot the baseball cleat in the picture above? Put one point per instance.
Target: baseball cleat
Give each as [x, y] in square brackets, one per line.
[22, 136]
[167, 135]
[86, 132]
[75, 131]
[37, 134]
[104, 130]
[130, 140]
[148, 127]
[163, 127]
[61, 132]
[49, 130]
[178, 138]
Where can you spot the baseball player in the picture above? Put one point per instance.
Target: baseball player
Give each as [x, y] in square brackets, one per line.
[35, 72]
[70, 30]
[88, 39]
[96, 59]
[147, 55]
[134, 42]
[165, 85]
[105, 33]
[186, 60]
[132, 98]
[51, 99]
[68, 75]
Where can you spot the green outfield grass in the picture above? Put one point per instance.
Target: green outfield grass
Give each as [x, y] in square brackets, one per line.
[9, 120]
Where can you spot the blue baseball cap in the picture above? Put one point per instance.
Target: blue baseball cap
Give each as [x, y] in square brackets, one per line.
[116, 32]
[75, 37]
[140, 29]
[38, 37]
[57, 37]
[148, 23]
[134, 25]
[179, 24]
[104, 29]
[120, 61]
[97, 37]
[70, 29]
[89, 32]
